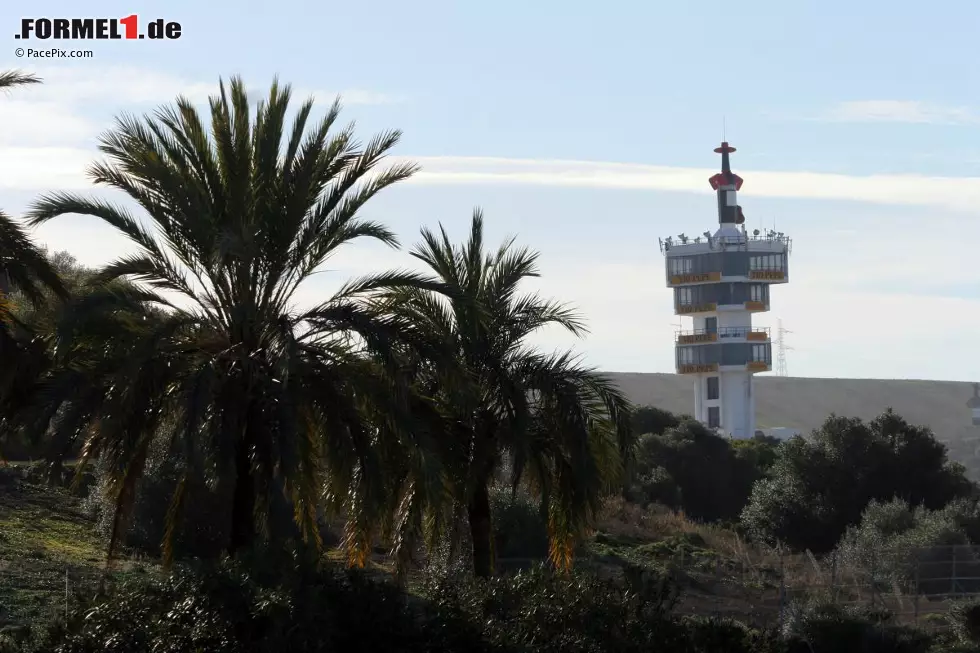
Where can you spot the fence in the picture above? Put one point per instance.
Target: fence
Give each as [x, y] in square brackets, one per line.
[914, 585]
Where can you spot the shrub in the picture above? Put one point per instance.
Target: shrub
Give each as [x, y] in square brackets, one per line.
[520, 530]
[204, 522]
[964, 617]
[906, 546]
[655, 485]
[817, 488]
[537, 610]
[650, 419]
[691, 468]
[827, 628]
[233, 607]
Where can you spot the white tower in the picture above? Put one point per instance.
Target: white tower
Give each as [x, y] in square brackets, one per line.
[720, 280]
[974, 404]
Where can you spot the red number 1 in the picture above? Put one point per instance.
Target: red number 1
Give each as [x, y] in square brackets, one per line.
[130, 23]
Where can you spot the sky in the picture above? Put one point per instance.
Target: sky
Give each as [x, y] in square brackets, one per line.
[586, 130]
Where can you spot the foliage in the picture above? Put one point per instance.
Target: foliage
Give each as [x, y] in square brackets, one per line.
[818, 487]
[964, 616]
[202, 530]
[902, 544]
[26, 276]
[821, 627]
[520, 530]
[562, 427]
[650, 419]
[283, 607]
[546, 612]
[691, 468]
[296, 607]
[242, 386]
[35, 323]
[759, 452]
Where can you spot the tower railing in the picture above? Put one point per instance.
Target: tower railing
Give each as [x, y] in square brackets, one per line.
[724, 242]
[726, 332]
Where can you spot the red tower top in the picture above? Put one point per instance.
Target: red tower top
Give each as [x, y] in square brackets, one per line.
[726, 177]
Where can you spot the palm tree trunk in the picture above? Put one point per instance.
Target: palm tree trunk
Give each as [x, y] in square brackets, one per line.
[243, 499]
[481, 531]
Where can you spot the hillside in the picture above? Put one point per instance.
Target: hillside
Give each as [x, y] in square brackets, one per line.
[804, 403]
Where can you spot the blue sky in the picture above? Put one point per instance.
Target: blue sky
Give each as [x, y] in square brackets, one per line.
[586, 129]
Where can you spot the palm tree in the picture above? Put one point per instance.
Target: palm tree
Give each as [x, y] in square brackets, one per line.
[208, 349]
[12, 78]
[23, 266]
[562, 428]
[24, 269]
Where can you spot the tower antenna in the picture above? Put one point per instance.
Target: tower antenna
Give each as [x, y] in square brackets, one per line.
[781, 349]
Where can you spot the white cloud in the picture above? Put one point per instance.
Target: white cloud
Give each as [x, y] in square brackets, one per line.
[902, 111]
[957, 193]
[44, 168]
[60, 112]
[41, 123]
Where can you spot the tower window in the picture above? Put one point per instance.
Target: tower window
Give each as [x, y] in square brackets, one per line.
[766, 262]
[756, 293]
[760, 353]
[685, 296]
[714, 417]
[713, 389]
[681, 265]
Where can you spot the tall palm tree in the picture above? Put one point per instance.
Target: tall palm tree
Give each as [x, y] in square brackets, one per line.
[563, 428]
[209, 349]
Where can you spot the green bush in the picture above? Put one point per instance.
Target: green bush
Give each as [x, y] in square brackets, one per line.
[964, 617]
[237, 608]
[203, 524]
[826, 628]
[923, 550]
[538, 610]
[817, 487]
[691, 468]
[520, 529]
[264, 605]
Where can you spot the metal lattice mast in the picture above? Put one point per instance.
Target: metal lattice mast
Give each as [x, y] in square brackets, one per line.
[781, 349]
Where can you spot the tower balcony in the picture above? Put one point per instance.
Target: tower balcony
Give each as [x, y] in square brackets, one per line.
[712, 368]
[736, 355]
[723, 334]
[768, 276]
[690, 279]
[689, 268]
[712, 307]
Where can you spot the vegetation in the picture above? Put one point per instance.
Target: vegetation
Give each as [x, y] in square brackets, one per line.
[818, 487]
[397, 468]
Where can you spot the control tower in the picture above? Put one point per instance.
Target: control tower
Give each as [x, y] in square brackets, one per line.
[974, 404]
[720, 280]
